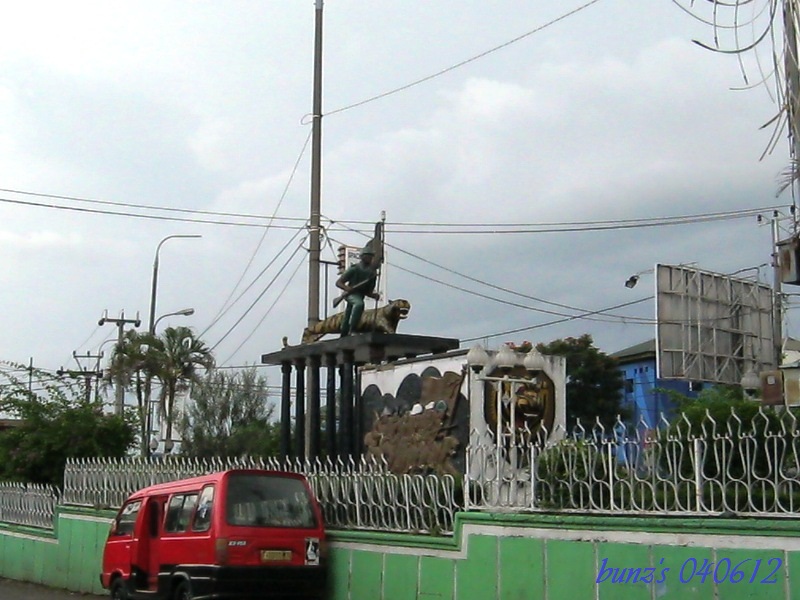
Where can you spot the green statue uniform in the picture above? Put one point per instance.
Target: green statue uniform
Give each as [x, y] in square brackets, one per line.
[361, 279]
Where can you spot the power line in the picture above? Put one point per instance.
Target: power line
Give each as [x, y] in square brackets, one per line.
[623, 318]
[191, 211]
[143, 216]
[266, 229]
[557, 321]
[491, 285]
[576, 228]
[269, 310]
[399, 227]
[84, 342]
[463, 62]
[264, 291]
[252, 283]
[641, 320]
[679, 218]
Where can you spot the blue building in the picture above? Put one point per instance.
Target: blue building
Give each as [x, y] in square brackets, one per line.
[638, 366]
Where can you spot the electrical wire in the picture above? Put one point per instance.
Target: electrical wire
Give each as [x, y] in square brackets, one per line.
[546, 228]
[557, 321]
[142, 216]
[753, 211]
[463, 62]
[583, 313]
[640, 320]
[264, 291]
[191, 211]
[623, 318]
[266, 314]
[266, 229]
[252, 283]
[433, 228]
[84, 342]
[491, 285]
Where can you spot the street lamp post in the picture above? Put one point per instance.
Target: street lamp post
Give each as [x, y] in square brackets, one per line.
[185, 312]
[154, 287]
[151, 329]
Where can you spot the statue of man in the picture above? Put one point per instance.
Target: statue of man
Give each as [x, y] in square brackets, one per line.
[357, 281]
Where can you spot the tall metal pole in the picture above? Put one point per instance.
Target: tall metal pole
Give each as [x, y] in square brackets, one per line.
[792, 77]
[316, 173]
[154, 286]
[151, 328]
[777, 309]
[120, 323]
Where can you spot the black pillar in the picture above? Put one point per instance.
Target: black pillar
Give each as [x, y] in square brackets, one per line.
[286, 412]
[330, 408]
[346, 421]
[300, 410]
[358, 417]
[313, 408]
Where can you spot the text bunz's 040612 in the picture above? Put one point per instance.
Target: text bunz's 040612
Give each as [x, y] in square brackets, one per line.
[724, 570]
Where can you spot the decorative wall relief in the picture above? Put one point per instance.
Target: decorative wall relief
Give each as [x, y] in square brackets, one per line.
[423, 427]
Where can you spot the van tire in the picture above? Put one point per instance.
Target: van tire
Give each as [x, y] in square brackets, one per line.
[183, 591]
[118, 590]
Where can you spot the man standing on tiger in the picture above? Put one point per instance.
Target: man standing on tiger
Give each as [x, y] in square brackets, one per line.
[357, 282]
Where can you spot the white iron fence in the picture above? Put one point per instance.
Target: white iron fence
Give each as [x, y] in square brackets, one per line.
[743, 466]
[359, 494]
[28, 504]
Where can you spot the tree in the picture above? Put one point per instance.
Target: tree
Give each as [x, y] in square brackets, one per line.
[57, 423]
[594, 381]
[130, 361]
[172, 359]
[177, 354]
[230, 415]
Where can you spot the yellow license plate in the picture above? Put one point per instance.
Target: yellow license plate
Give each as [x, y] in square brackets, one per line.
[276, 555]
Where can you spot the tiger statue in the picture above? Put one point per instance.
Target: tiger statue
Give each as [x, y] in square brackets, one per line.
[383, 319]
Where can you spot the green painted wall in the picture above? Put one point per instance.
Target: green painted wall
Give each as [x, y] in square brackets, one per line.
[70, 557]
[515, 557]
[492, 556]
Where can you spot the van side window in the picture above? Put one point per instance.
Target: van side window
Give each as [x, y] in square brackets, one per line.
[126, 520]
[202, 519]
[174, 514]
[189, 504]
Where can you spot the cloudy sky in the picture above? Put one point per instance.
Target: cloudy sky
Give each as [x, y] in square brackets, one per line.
[611, 114]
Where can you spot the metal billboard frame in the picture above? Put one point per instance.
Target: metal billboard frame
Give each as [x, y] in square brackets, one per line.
[711, 327]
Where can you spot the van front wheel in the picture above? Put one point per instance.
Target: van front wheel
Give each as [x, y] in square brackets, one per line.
[183, 591]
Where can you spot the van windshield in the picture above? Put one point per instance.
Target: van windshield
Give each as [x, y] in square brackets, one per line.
[268, 501]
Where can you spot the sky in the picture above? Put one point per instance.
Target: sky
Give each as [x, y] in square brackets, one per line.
[199, 110]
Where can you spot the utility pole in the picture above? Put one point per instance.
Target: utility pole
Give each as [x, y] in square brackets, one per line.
[30, 376]
[777, 308]
[83, 372]
[792, 92]
[316, 173]
[119, 391]
[777, 284]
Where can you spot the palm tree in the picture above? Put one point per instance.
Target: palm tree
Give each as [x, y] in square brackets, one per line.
[789, 177]
[131, 359]
[172, 359]
[177, 355]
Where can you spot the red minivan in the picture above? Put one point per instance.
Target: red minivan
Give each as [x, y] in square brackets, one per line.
[237, 534]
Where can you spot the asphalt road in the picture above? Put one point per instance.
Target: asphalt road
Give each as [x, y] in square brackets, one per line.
[16, 590]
